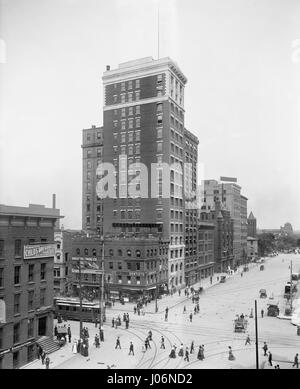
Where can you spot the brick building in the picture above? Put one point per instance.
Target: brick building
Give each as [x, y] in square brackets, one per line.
[26, 281]
[205, 246]
[133, 267]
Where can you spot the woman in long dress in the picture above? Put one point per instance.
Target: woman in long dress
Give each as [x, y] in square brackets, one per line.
[200, 355]
[231, 357]
[180, 353]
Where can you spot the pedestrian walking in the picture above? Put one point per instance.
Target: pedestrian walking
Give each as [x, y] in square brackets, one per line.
[47, 361]
[150, 335]
[186, 358]
[131, 350]
[162, 343]
[262, 313]
[270, 358]
[180, 352]
[118, 343]
[200, 355]
[39, 351]
[70, 337]
[192, 347]
[184, 309]
[55, 331]
[127, 316]
[43, 356]
[248, 340]
[265, 348]
[173, 352]
[231, 357]
[296, 363]
[97, 341]
[195, 310]
[101, 335]
[148, 343]
[191, 317]
[134, 310]
[127, 324]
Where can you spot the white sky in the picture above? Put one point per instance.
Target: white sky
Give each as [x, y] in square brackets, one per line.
[242, 99]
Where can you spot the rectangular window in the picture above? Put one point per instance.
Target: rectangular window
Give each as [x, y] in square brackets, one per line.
[123, 86]
[17, 275]
[122, 99]
[120, 265]
[30, 300]
[130, 111]
[42, 297]
[130, 123]
[120, 279]
[115, 98]
[129, 84]
[18, 245]
[30, 328]
[137, 95]
[123, 125]
[159, 147]
[137, 110]
[138, 136]
[159, 120]
[16, 333]
[130, 97]
[16, 304]
[43, 271]
[138, 122]
[123, 113]
[130, 136]
[159, 107]
[1, 277]
[137, 84]
[1, 248]
[123, 137]
[159, 133]
[128, 280]
[137, 149]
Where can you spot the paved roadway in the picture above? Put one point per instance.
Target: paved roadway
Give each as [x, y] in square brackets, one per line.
[212, 327]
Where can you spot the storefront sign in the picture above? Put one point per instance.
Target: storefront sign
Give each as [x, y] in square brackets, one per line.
[39, 251]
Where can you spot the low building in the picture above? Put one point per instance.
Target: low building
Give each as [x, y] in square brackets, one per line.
[62, 259]
[133, 267]
[223, 234]
[26, 281]
[206, 261]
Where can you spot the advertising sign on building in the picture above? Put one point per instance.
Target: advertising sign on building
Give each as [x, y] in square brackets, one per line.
[88, 265]
[39, 251]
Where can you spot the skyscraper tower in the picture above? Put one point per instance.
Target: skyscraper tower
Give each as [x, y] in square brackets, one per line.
[143, 123]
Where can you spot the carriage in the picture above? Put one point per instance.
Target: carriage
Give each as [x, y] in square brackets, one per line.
[240, 324]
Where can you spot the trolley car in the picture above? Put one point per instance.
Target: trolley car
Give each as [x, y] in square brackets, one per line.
[69, 309]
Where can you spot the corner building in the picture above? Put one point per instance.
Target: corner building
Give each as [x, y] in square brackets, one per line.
[143, 122]
[26, 281]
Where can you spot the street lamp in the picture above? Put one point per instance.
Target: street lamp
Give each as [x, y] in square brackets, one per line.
[156, 288]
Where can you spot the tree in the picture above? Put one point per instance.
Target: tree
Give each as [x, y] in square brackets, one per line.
[266, 243]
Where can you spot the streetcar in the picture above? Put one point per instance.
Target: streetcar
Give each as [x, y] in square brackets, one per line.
[69, 309]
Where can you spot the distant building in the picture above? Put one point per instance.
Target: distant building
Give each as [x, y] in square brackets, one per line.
[252, 226]
[26, 281]
[206, 258]
[287, 229]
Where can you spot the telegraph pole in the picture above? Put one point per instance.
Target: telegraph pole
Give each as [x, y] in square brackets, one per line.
[256, 336]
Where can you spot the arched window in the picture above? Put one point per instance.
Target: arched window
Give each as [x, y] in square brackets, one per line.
[77, 251]
[138, 253]
[86, 252]
[151, 252]
[180, 268]
[129, 253]
[176, 268]
[111, 252]
[120, 253]
[94, 252]
[148, 253]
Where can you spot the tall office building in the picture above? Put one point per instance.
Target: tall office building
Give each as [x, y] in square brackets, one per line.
[92, 208]
[143, 123]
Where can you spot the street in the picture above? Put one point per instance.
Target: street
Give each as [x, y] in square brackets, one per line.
[213, 327]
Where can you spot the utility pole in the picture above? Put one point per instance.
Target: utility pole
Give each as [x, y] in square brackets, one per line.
[256, 336]
[291, 287]
[80, 301]
[101, 289]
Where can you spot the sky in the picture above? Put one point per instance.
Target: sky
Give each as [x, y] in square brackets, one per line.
[242, 98]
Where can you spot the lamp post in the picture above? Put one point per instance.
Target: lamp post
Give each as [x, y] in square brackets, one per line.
[101, 289]
[156, 287]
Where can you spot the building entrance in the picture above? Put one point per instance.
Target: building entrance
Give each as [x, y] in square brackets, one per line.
[42, 327]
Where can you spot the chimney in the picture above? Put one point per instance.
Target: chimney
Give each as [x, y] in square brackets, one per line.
[107, 67]
[54, 201]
